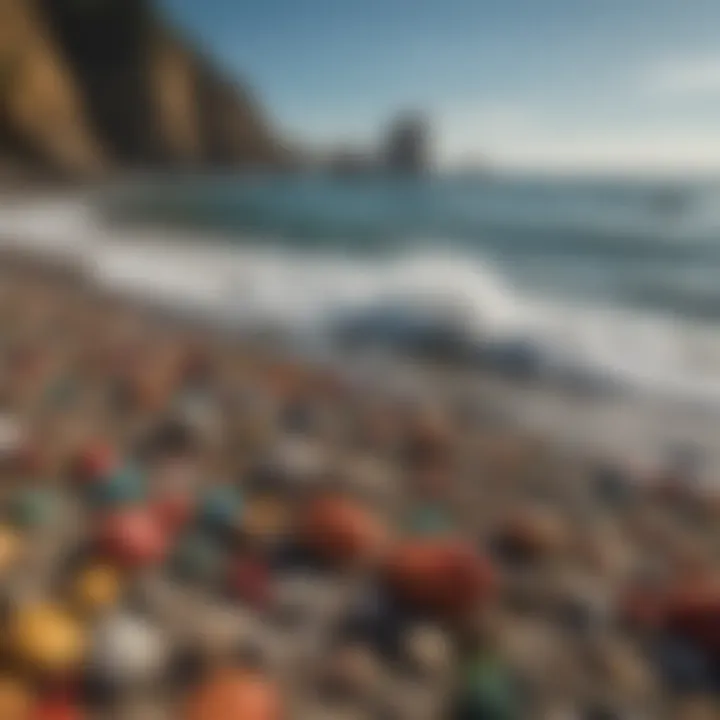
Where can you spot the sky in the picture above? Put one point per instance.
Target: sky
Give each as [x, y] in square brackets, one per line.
[530, 84]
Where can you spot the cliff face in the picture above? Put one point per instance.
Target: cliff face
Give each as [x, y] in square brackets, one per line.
[91, 86]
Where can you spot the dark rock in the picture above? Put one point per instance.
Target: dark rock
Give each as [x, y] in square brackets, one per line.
[685, 668]
[612, 486]
[86, 88]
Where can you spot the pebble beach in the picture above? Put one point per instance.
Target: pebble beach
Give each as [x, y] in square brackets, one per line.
[194, 528]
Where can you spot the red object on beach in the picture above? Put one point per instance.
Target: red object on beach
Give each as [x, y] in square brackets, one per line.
[235, 695]
[693, 611]
[442, 576]
[341, 531]
[57, 709]
[95, 461]
[174, 510]
[134, 538]
[251, 581]
[642, 608]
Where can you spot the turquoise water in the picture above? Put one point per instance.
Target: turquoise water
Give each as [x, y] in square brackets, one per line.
[650, 245]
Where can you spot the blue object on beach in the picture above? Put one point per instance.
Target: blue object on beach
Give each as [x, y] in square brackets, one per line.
[220, 507]
[121, 487]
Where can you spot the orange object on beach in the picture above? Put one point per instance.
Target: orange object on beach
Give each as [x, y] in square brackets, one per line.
[443, 576]
[342, 531]
[235, 695]
[15, 700]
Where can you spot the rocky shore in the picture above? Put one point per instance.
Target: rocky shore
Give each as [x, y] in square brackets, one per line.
[195, 528]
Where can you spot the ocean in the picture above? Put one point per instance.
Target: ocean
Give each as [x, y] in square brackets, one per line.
[608, 280]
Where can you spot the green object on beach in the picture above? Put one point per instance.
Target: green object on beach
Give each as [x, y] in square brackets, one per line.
[197, 558]
[428, 520]
[486, 691]
[122, 487]
[33, 508]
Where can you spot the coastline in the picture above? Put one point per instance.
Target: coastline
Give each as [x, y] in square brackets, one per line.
[631, 429]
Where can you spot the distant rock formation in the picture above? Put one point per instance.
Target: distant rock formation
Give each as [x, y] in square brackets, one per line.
[407, 148]
[91, 87]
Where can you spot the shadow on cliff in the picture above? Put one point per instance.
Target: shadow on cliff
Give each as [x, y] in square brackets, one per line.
[106, 45]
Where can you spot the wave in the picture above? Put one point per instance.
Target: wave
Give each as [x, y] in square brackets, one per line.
[315, 296]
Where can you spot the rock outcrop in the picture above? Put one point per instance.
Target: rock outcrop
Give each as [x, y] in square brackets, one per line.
[96, 86]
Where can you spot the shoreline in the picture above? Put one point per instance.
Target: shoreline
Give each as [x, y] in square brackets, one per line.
[632, 429]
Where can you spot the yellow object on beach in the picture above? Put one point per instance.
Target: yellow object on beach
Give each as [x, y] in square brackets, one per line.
[264, 518]
[10, 547]
[97, 587]
[46, 639]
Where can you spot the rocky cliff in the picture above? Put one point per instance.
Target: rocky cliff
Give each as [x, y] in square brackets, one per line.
[93, 86]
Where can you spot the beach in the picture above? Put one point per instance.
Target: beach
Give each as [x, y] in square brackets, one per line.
[360, 540]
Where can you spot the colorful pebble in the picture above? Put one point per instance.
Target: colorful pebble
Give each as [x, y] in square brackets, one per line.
[97, 588]
[440, 576]
[134, 538]
[123, 486]
[235, 695]
[128, 650]
[47, 639]
[341, 531]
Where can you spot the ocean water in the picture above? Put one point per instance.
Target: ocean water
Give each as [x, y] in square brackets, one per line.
[606, 279]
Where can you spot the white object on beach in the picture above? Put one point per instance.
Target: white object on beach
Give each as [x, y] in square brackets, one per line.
[12, 434]
[428, 649]
[297, 460]
[128, 649]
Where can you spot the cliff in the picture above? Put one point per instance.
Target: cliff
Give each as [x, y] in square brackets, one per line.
[95, 86]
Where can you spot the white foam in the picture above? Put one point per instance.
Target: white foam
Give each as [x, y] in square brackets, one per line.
[302, 294]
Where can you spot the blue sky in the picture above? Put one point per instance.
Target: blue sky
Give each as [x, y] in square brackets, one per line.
[529, 83]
